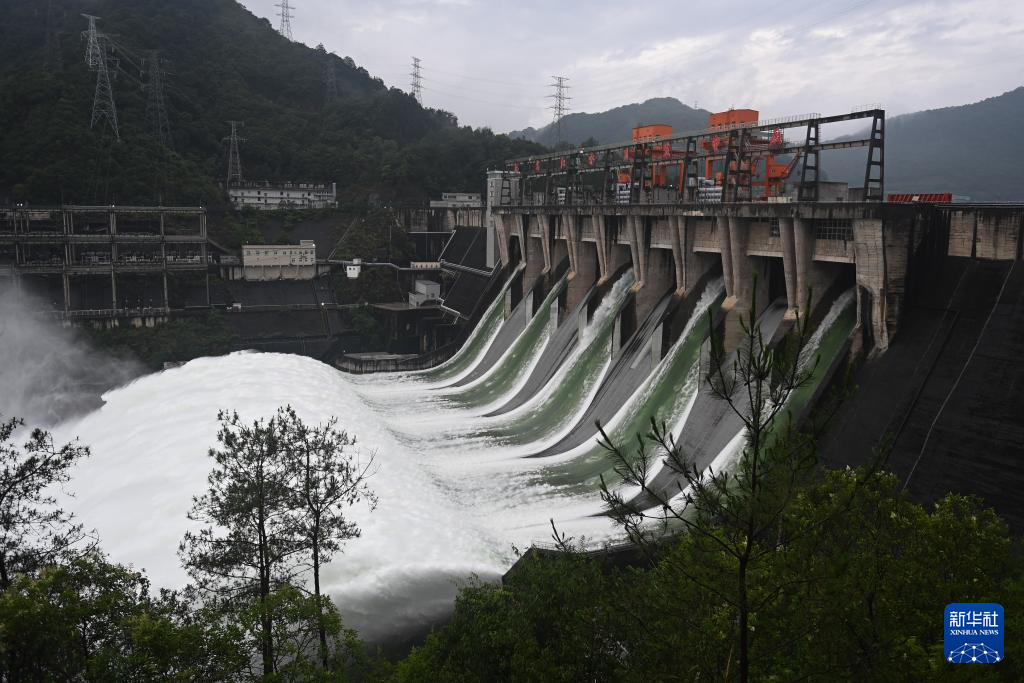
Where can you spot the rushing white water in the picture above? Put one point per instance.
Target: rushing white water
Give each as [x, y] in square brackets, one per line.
[439, 521]
[641, 396]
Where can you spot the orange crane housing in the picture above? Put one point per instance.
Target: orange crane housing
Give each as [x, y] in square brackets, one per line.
[769, 179]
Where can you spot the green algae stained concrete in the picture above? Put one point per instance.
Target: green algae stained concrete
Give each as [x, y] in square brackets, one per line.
[514, 364]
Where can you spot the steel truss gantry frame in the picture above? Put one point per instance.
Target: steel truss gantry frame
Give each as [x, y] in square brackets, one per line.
[685, 150]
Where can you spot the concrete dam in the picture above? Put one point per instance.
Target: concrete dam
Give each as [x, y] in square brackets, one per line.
[606, 304]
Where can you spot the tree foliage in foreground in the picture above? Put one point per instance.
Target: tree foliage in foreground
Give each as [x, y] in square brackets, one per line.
[88, 619]
[34, 530]
[275, 503]
[861, 599]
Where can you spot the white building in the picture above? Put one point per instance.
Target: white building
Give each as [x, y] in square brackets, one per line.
[270, 196]
[279, 261]
[426, 291]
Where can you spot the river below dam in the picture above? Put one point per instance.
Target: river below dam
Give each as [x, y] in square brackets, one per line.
[458, 493]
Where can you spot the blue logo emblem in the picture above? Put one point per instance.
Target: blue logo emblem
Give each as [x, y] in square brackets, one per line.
[974, 633]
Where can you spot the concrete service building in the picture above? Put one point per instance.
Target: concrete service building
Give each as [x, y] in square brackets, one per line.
[268, 196]
[261, 262]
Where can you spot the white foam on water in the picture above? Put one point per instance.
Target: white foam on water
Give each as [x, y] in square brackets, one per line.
[439, 520]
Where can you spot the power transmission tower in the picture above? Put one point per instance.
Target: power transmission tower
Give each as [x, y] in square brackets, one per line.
[417, 80]
[560, 107]
[285, 26]
[330, 81]
[234, 160]
[156, 109]
[93, 53]
[103, 100]
[96, 57]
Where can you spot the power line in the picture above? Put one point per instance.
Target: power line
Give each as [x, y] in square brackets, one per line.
[417, 80]
[285, 25]
[484, 80]
[560, 107]
[479, 101]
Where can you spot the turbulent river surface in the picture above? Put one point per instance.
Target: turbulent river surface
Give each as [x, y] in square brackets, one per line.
[457, 493]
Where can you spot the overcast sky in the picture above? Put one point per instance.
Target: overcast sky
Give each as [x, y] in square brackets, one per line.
[490, 62]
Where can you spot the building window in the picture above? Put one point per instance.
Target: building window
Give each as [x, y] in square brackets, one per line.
[773, 228]
[834, 229]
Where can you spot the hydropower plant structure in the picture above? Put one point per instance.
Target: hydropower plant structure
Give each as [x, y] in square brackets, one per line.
[680, 229]
[611, 267]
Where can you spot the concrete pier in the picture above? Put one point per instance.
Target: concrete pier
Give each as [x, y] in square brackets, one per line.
[796, 249]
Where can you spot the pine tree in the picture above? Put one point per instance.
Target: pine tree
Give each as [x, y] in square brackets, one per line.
[34, 531]
[249, 546]
[327, 477]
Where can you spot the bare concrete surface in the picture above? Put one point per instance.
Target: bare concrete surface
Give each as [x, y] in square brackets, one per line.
[950, 391]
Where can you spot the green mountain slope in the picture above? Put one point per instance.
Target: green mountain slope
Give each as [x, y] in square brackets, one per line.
[223, 64]
[973, 150]
[615, 124]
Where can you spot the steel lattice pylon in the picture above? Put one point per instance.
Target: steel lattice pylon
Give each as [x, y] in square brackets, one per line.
[234, 158]
[285, 26]
[561, 105]
[103, 106]
[330, 81]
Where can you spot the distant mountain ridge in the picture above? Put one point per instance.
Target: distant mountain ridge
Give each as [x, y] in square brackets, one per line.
[615, 124]
[973, 151]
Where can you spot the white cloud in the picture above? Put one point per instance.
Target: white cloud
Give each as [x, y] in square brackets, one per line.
[490, 63]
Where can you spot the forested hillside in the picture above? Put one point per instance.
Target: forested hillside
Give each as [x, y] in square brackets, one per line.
[222, 64]
[614, 125]
[973, 151]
